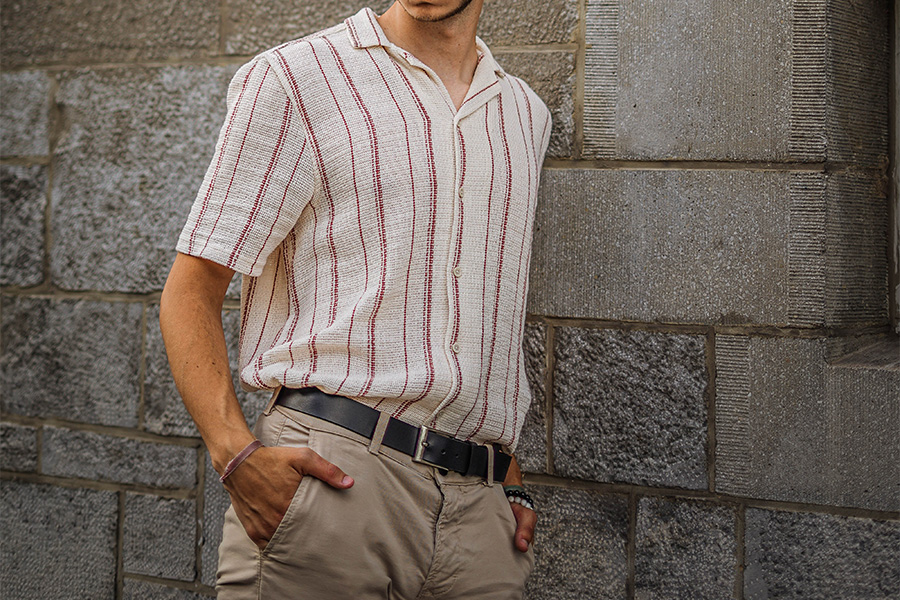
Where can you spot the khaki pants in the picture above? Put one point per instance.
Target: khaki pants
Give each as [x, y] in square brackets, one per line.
[403, 531]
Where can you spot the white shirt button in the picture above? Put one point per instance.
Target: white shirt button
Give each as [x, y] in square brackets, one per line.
[462, 192]
[455, 348]
[457, 271]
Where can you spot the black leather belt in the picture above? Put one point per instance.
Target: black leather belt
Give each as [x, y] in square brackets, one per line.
[424, 445]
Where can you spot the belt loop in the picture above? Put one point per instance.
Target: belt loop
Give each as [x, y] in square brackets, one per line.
[490, 465]
[271, 405]
[378, 434]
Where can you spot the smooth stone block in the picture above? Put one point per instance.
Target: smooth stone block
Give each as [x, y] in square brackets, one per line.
[23, 199]
[57, 542]
[137, 144]
[684, 549]
[18, 447]
[71, 359]
[579, 545]
[794, 424]
[798, 556]
[159, 537]
[24, 111]
[55, 31]
[630, 407]
[89, 455]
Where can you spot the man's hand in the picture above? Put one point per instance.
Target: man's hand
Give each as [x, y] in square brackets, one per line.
[261, 487]
[525, 518]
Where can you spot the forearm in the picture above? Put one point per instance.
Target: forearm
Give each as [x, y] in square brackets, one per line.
[191, 322]
[513, 474]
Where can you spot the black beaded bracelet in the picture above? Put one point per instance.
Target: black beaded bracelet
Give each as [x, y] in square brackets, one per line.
[517, 494]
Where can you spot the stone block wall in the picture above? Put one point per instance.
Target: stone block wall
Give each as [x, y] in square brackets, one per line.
[716, 380]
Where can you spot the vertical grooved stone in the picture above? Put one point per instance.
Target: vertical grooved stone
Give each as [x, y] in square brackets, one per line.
[68, 453]
[135, 146]
[531, 453]
[552, 76]
[54, 31]
[159, 537]
[806, 249]
[579, 545]
[733, 413]
[71, 359]
[24, 111]
[164, 411]
[23, 198]
[808, 81]
[684, 549]
[57, 542]
[601, 87]
[630, 407]
[798, 556]
[18, 447]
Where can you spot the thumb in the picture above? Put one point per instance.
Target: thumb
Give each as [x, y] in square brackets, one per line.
[310, 463]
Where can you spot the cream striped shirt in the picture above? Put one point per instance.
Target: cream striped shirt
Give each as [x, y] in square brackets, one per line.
[383, 234]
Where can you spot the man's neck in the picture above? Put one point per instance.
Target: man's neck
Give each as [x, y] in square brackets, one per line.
[447, 46]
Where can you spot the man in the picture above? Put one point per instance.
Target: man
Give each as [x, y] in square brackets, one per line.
[375, 183]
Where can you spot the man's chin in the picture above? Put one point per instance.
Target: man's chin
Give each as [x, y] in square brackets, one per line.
[433, 13]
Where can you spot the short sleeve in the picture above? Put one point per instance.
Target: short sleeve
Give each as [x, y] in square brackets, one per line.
[260, 177]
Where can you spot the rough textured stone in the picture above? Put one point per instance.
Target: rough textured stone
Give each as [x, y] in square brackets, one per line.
[69, 453]
[527, 22]
[164, 412]
[215, 502]
[23, 197]
[18, 447]
[57, 542]
[684, 549]
[50, 31]
[255, 26]
[24, 111]
[159, 536]
[531, 453]
[694, 80]
[579, 546]
[71, 359]
[135, 589]
[137, 143]
[630, 407]
[552, 76]
[799, 556]
[789, 426]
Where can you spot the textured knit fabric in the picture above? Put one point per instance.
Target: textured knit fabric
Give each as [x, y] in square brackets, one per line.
[384, 235]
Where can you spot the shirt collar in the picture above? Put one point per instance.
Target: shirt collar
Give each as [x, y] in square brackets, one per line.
[365, 32]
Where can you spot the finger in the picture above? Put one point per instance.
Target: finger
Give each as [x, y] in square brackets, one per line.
[525, 522]
[310, 463]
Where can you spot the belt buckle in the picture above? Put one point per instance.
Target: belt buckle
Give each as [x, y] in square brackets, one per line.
[421, 444]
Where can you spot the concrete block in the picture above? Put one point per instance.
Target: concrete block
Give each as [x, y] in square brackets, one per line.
[159, 536]
[684, 549]
[69, 453]
[137, 144]
[629, 406]
[797, 556]
[74, 31]
[164, 412]
[528, 22]
[71, 359]
[552, 76]
[732, 247]
[23, 198]
[215, 502]
[252, 27]
[136, 589]
[24, 111]
[790, 426]
[18, 447]
[57, 542]
[579, 545]
[531, 453]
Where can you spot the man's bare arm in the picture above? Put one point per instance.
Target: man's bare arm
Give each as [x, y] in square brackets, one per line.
[190, 317]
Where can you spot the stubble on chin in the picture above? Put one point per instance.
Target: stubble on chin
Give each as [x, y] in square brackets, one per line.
[463, 5]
